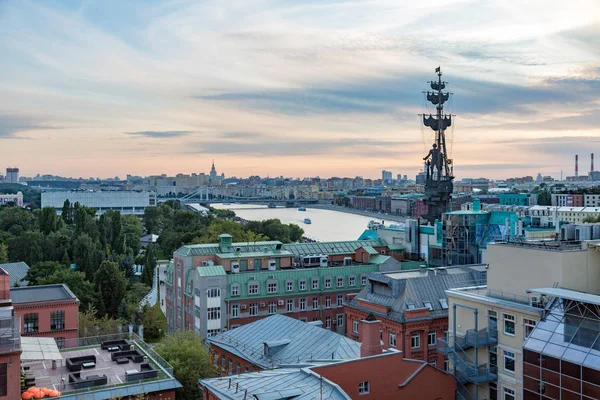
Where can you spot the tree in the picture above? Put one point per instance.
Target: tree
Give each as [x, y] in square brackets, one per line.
[42, 270]
[153, 219]
[48, 221]
[149, 266]
[155, 322]
[126, 264]
[91, 324]
[67, 212]
[110, 283]
[185, 351]
[85, 221]
[85, 255]
[76, 282]
[544, 198]
[26, 247]
[3, 253]
[16, 216]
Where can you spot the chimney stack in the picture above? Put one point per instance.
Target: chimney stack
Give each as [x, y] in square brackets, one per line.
[592, 165]
[370, 331]
[576, 165]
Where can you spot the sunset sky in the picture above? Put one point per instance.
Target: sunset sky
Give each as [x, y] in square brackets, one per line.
[296, 88]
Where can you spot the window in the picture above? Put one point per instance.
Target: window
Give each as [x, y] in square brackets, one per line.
[243, 265]
[60, 342]
[528, 325]
[253, 309]
[352, 280]
[392, 339]
[509, 394]
[213, 313]
[3, 379]
[235, 289]
[223, 362]
[340, 300]
[415, 341]
[238, 368]
[212, 332]
[315, 283]
[431, 339]
[213, 293]
[328, 283]
[446, 365]
[340, 281]
[303, 319]
[328, 322]
[235, 310]
[509, 324]
[444, 304]
[354, 326]
[253, 288]
[433, 363]
[509, 361]
[315, 303]
[340, 320]
[428, 305]
[302, 284]
[272, 287]
[30, 322]
[272, 307]
[230, 366]
[257, 264]
[364, 387]
[410, 306]
[289, 305]
[363, 280]
[289, 285]
[493, 357]
[302, 304]
[493, 391]
[327, 302]
[57, 320]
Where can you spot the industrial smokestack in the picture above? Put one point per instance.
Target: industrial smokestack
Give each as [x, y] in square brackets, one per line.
[592, 165]
[576, 165]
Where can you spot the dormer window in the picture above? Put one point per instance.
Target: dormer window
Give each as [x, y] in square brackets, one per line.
[428, 305]
[444, 304]
[410, 306]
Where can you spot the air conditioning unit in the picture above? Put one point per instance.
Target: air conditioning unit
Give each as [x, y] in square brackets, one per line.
[280, 303]
[235, 267]
[347, 261]
[262, 305]
[243, 307]
[535, 301]
[272, 265]
[323, 262]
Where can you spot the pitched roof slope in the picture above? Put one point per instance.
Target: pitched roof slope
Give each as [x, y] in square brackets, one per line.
[280, 340]
[297, 384]
[17, 272]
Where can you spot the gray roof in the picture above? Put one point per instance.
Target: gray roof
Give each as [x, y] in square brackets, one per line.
[17, 272]
[331, 248]
[123, 391]
[399, 290]
[568, 294]
[297, 384]
[290, 341]
[36, 294]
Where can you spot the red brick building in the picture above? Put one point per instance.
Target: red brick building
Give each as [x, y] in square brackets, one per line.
[47, 311]
[412, 307]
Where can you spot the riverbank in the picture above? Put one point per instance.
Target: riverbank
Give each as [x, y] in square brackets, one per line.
[376, 216]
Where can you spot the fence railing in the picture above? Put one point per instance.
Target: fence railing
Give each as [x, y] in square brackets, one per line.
[10, 334]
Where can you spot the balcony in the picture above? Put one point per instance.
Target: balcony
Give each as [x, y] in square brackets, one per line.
[479, 375]
[463, 366]
[483, 337]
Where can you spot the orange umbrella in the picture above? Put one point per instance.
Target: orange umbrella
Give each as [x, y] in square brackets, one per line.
[54, 393]
[27, 395]
[46, 391]
[39, 395]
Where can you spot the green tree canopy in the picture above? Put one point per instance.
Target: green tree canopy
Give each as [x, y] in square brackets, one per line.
[155, 322]
[75, 280]
[41, 270]
[48, 221]
[110, 283]
[85, 255]
[149, 266]
[190, 359]
[26, 247]
[3, 253]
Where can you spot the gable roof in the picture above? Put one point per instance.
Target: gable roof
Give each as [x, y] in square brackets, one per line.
[414, 288]
[331, 248]
[279, 340]
[17, 272]
[297, 384]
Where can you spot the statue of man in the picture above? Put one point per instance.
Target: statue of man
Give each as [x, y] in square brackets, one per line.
[435, 155]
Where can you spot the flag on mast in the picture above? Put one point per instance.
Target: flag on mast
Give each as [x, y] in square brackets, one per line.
[437, 69]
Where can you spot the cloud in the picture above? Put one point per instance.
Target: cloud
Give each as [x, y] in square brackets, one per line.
[159, 134]
[12, 125]
[240, 135]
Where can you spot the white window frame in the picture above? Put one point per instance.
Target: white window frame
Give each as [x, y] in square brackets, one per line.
[340, 281]
[315, 302]
[302, 284]
[392, 339]
[328, 302]
[271, 287]
[429, 336]
[340, 320]
[415, 339]
[302, 304]
[352, 280]
[235, 310]
[272, 307]
[509, 394]
[355, 326]
[340, 300]
[444, 304]
[213, 313]
[363, 280]
[364, 387]
[428, 305]
[328, 322]
[289, 305]
[253, 288]
[251, 307]
[289, 286]
[528, 323]
[235, 289]
[446, 364]
[328, 282]
[506, 355]
[511, 319]
[314, 283]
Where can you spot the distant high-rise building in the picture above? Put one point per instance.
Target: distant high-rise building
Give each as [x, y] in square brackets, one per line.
[399, 177]
[421, 178]
[12, 175]
[213, 172]
[539, 178]
[386, 176]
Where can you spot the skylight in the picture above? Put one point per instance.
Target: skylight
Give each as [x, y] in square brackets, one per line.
[444, 304]
[428, 305]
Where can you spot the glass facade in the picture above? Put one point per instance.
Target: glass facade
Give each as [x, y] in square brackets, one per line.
[561, 356]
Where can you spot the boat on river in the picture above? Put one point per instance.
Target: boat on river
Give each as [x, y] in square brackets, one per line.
[307, 221]
[272, 205]
[302, 209]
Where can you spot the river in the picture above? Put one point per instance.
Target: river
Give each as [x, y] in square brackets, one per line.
[327, 225]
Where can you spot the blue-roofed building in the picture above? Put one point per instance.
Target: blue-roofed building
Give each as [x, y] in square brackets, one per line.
[17, 272]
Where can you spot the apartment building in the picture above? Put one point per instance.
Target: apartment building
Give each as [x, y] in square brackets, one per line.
[487, 325]
[214, 287]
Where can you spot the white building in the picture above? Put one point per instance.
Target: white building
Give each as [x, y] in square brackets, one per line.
[16, 198]
[126, 202]
[548, 215]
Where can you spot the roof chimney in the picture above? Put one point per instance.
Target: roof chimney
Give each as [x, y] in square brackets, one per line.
[370, 331]
[4, 285]
[576, 165]
[592, 165]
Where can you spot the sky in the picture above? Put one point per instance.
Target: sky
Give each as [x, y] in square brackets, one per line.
[296, 88]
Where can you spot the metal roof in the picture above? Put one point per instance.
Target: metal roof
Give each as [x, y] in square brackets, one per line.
[255, 254]
[568, 294]
[307, 343]
[39, 348]
[211, 270]
[17, 272]
[297, 384]
[331, 248]
[205, 249]
[36, 294]
[370, 250]
[379, 259]
[124, 391]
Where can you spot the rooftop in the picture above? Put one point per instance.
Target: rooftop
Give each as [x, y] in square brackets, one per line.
[117, 384]
[548, 245]
[38, 294]
[331, 248]
[279, 340]
[297, 384]
[17, 272]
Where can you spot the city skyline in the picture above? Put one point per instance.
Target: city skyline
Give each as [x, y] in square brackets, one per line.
[272, 88]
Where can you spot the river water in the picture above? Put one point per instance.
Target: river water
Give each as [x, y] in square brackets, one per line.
[327, 225]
